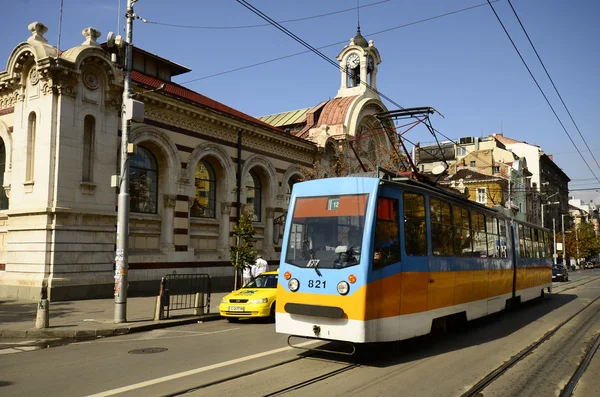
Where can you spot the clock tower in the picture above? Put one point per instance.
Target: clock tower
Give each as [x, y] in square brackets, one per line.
[358, 66]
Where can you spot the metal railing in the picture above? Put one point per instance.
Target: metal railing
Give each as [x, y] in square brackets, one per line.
[184, 291]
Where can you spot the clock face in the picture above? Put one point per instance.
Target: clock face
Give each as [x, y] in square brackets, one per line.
[370, 63]
[353, 61]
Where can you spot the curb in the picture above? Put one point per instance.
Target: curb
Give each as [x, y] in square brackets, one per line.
[105, 332]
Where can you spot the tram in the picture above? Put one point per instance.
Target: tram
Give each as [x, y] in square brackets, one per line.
[374, 259]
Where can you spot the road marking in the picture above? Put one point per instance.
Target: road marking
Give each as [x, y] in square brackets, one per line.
[197, 370]
[19, 349]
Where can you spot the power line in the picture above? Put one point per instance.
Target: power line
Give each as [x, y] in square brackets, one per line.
[265, 24]
[540, 88]
[553, 85]
[337, 66]
[337, 43]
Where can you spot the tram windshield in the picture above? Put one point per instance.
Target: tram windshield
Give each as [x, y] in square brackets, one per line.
[327, 232]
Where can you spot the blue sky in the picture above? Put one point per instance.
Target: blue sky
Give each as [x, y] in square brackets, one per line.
[462, 64]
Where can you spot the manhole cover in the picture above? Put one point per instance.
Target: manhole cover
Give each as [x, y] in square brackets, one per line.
[148, 350]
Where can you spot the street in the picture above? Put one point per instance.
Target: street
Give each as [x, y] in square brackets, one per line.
[249, 359]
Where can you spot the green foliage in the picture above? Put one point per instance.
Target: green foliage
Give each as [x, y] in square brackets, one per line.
[585, 241]
[243, 251]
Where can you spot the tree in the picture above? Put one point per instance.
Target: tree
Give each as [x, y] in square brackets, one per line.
[243, 253]
[585, 241]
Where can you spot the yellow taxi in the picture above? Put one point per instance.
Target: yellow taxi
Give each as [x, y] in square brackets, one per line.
[255, 299]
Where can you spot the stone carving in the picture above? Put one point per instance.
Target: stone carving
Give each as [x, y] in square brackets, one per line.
[37, 30]
[225, 208]
[169, 200]
[91, 34]
[34, 76]
[91, 80]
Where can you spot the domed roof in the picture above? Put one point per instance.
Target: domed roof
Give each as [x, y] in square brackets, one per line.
[359, 40]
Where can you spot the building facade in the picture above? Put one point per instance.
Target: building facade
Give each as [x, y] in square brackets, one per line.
[198, 164]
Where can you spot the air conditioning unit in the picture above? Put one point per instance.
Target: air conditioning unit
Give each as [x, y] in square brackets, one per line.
[467, 140]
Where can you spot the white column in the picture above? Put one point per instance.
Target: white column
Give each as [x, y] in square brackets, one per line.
[167, 223]
[268, 243]
[224, 227]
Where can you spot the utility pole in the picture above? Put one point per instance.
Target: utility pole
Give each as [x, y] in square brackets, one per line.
[577, 244]
[122, 252]
[564, 247]
[554, 234]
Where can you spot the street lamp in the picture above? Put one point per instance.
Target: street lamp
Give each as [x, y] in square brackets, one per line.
[556, 202]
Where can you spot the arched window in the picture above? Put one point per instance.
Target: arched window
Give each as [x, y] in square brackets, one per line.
[254, 194]
[3, 198]
[288, 192]
[30, 147]
[143, 182]
[206, 189]
[89, 130]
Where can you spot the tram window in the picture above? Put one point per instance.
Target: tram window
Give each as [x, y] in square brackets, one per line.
[493, 242]
[463, 246]
[479, 235]
[387, 233]
[502, 235]
[521, 242]
[546, 245]
[441, 228]
[415, 228]
[535, 243]
[528, 243]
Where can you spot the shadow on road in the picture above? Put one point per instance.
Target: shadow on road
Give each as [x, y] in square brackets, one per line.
[476, 332]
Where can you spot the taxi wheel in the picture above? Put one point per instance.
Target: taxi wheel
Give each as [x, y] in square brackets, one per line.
[233, 319]
[272, 313]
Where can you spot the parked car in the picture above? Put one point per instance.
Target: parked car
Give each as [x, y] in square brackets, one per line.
[255, 299]
[589, 265]
[560, 273]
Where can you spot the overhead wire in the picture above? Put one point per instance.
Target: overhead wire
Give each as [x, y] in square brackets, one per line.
[553, 85]
[541, 90]
[265, 24]
[336, 64]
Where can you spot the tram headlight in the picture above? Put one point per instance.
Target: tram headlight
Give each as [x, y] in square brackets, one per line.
[343, 287]
[293, 285]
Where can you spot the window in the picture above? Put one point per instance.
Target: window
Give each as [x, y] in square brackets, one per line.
[482, 195]
[463, 245]
[415, 229]
[496, 169]
[89, 126]
[3, 198]
[387, 233]
[522, 250]
[479, 234]
[472, 164]
[493, 241]
[441, 228]
[288, 192]
[254, 195]
[30, 147]
[206, 190]
[143, 182]
[461, 151]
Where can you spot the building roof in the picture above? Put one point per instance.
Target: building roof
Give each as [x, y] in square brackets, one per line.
[180, 92]
[286, 118]
[469, 175]
[335, 111]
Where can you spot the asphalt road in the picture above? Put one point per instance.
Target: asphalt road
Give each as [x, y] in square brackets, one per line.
[250, 359]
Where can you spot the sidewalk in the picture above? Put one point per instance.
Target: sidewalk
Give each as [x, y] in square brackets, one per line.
[92, 318]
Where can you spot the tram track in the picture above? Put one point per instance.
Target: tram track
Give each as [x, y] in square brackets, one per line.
[476, 390]
[574, 381]
[472, 392]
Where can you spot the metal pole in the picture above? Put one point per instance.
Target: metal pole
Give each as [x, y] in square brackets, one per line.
[577, 244]
[564, 247]
[543, 216]
[122, 253]
[554, 234]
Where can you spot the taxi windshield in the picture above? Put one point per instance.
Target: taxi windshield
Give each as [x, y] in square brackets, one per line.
[327, 232]
[263, 281]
